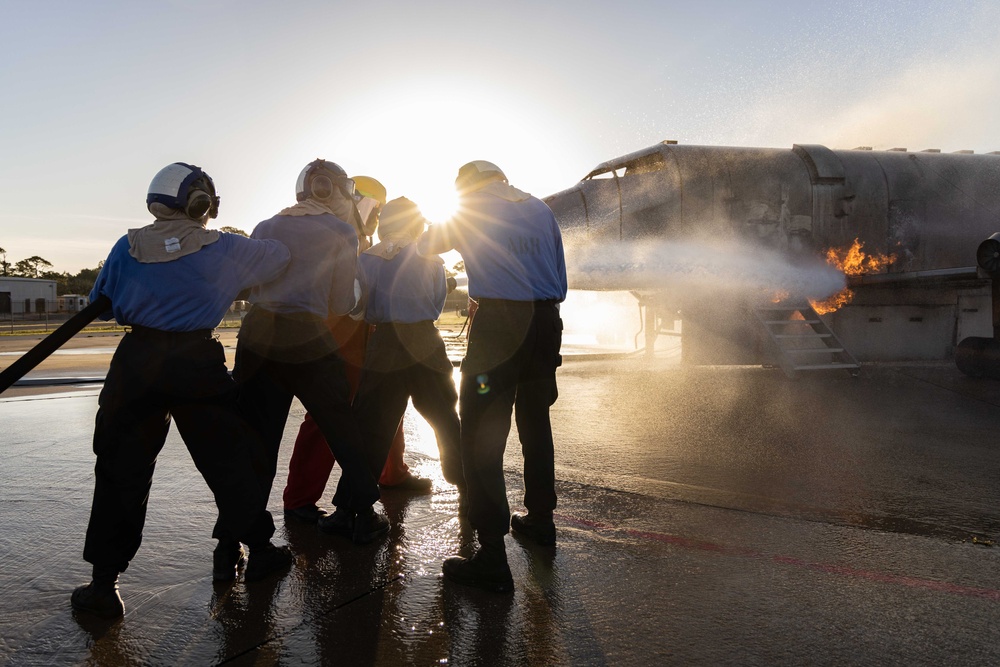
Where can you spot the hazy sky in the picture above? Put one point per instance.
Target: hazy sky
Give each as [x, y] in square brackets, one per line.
[97, 96]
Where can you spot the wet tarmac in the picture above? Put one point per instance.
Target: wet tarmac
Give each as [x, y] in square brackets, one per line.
[709, 515]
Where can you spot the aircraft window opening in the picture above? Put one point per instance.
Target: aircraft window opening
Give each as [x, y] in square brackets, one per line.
[645, 165]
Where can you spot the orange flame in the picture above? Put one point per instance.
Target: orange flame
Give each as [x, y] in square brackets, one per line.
[841, 298]
[852, 261]
[855, 261]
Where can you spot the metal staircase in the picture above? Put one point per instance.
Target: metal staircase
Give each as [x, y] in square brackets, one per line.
[802, 341]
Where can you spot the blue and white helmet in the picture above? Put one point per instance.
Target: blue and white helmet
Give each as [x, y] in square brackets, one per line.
[184, 187]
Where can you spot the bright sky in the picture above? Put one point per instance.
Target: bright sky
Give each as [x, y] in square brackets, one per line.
[97, 96]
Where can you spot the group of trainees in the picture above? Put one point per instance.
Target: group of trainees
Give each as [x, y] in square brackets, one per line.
[346, 327]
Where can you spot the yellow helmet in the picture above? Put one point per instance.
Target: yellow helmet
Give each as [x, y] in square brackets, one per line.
[369, 187]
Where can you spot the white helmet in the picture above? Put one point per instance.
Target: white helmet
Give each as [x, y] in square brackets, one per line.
[476, 172]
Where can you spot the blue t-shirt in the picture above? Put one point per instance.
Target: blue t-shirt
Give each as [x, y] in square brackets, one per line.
[191, 292]
[512, 250]
[320, 277]
[407, 288]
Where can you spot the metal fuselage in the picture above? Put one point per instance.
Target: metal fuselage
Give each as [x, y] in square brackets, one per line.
[927, 210]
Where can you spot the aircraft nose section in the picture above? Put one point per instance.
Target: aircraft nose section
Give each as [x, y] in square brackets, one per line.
[570, 210]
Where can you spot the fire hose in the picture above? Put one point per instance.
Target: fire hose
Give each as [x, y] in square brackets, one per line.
[52, 342]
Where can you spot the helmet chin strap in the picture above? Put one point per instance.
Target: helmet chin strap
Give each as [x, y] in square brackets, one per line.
[359, 224]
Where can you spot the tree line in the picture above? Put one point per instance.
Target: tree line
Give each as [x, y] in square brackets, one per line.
[36, 267]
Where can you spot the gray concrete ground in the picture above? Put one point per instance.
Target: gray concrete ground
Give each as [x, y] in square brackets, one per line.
[710, 515]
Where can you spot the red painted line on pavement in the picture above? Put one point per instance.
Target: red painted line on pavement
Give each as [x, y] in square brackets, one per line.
[714, 547]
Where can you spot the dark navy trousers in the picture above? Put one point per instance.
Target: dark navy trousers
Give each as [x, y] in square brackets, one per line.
[510, 366]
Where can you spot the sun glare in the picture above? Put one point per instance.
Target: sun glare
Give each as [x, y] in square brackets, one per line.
[415, 142]
[436, 205]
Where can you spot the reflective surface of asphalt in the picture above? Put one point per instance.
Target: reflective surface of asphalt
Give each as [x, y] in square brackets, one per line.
[707, 516]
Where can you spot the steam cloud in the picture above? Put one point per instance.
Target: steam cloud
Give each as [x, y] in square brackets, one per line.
[731, 269]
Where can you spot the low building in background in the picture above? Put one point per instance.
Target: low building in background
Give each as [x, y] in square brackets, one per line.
[25, 296]
[73, 303]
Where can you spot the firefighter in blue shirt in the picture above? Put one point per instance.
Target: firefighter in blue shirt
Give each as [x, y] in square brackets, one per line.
[285, 349]
[172, 282]
[514, 259]
[403, 294]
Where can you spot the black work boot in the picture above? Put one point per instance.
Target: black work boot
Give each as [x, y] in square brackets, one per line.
[341, 522]
[99, 598]
[306, 513]
[487, 569]
[539, 529]
[267, 559]
[369, 525]
[226, 560]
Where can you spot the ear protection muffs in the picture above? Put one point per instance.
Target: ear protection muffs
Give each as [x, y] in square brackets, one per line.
[198, 205]
[319, 178]
[321, 186]
[202, 199]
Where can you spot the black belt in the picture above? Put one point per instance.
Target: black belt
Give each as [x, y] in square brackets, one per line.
[510, 302]
[421, 324]
[148, 332]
